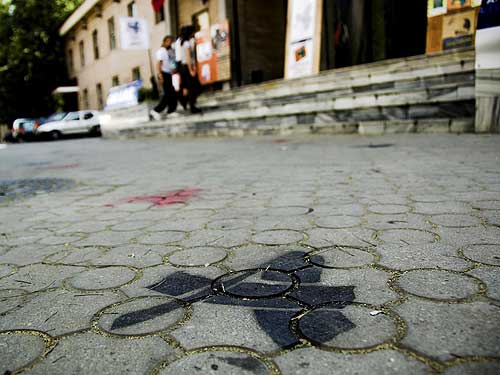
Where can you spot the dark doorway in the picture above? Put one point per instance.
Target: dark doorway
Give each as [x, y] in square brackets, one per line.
[362, 31]
[259, 37]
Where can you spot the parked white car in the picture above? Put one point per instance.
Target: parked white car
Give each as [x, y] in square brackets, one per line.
[80, 122]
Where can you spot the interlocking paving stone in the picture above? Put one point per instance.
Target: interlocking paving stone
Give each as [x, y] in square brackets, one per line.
[254, 283]
[134, 255]
[6, 270]
[57, 312]
[325, 285]
[217, 362]
[445, 331]
[487, 254]
[76, 256]
[183, 225]
[39, 276]
[162, 238]
[278, 237]
[487, 205]
[58, 240]
[342, 257]
[260, 324]
[198, 256]
[443, 208]
[492, 217]
[131, 225]
[388, 209]
[77, 355]
[436, 255]
[474, 368]
[222, 238]
[102, 278]
[140, 316]
[455, 221]
[346, 326]
[491, 277]
[28, 254]
[322, 237]
[229, 224]
[409, 236]
[339, 221]
[299, 223]
[17, 350]
[287, 211]
[107, 238]
[11, 299]
[468, 236]
[318, 362]
[438, 284]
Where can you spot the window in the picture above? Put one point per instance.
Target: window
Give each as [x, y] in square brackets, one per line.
[132, 9]
[85, 99]
[111, 33]
[71, 61]
[73, 116]
[95, 43]
[82, 53]
[201, 20]
[88, 116]
[115, 81]
[160, 15]
[100, 101]
[136, 74]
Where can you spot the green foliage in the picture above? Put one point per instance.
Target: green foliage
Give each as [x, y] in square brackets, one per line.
[31, 55]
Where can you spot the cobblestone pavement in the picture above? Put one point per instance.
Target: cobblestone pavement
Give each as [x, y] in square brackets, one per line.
[304, 255]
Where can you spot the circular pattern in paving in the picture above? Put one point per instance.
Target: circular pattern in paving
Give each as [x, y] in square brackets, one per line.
[407, 236]
[26, 188]
[277, 237]
[288, 211]
[141, 316]
[102, 278]
[438, 284]
[455, 221]
[474, 368]
[229, 224]
[389, 209]
[218, 362]
[486, 254]
[338, 221]
[255, 284]
[18, 350]
[348, 326]
[342, 257]
[162, 238]
[197, 256]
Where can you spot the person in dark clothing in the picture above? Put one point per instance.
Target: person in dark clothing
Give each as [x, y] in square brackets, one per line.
[186, 60]
[165, 67]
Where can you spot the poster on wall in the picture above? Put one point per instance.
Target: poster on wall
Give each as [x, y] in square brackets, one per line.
[134, 33]
[303, 38]
[458, 4]
[213, 54]
[436, 8]
[488, 36]
[476, 3]
[459, 29]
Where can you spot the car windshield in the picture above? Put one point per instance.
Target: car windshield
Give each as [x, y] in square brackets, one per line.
[57, 116]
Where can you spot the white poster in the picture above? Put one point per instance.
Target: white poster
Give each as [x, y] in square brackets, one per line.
[303, 31]
[134, 33]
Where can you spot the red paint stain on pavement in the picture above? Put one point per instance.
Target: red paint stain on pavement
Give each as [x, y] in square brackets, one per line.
[167, 199]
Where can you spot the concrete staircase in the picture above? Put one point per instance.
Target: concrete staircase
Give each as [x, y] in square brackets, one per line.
[434, 93]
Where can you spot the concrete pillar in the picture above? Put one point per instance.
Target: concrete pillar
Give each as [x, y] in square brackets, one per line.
[487, 101]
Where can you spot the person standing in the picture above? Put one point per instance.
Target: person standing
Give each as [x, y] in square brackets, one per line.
[185, 55]
[165, 67]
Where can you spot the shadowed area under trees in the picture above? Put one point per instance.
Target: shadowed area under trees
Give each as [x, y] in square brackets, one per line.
[31, 56]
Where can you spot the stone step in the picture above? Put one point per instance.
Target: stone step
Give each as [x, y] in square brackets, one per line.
[387, 71]
[432, 84]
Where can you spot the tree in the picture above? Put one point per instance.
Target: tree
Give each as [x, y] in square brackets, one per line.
[32, 61]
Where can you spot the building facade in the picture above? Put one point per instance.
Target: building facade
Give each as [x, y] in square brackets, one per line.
[352, 32]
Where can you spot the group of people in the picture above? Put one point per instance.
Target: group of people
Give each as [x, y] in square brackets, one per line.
[177, 59]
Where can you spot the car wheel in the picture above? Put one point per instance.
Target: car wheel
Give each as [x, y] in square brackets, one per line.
[95, 131]
[55, 135]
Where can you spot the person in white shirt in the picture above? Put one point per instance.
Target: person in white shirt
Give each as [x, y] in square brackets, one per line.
[186, 61]
[165, 67]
